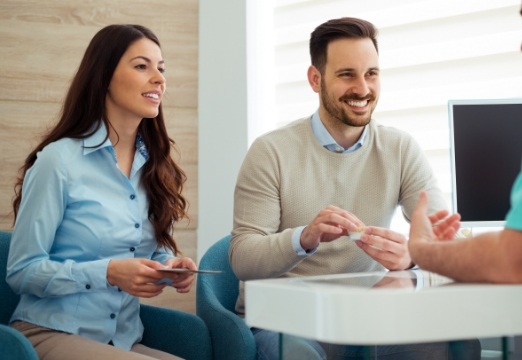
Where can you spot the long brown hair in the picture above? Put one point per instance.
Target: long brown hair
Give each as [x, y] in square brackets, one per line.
[84, 111]
[346, 27]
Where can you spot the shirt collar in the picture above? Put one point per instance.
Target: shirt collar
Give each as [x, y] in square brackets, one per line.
[99, 140]
[326, 140]
[96, 141]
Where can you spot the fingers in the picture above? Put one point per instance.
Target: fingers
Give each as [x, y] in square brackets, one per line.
[139, 277]
[446, 228]
[422, 205]
[392, 255]
[329, 224]
[147, 290]
[343, 218]
[183, 281]
[184, 262]
[443, 225]
[183, 287]
[421, 226]
[387, 247]
[438, 216]
[383, 236]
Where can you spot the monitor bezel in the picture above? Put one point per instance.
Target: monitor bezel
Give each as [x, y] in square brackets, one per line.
[451, 104]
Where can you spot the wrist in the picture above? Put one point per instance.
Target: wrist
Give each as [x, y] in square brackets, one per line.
[108, 276]
[306, 246]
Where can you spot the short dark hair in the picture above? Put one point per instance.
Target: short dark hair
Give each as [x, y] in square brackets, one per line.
[345, 27]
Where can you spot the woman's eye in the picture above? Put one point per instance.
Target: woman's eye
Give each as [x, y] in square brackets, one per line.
[161, 70]
[141, 66]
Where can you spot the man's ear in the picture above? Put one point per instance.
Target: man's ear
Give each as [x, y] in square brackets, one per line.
[314, 78]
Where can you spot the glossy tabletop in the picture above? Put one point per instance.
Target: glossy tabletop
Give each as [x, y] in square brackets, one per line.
[383, 308]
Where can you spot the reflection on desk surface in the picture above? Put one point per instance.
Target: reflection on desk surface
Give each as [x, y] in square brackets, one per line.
[412, 279]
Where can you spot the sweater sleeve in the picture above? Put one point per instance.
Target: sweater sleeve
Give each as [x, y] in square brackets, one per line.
[417, 175]
[259, 249]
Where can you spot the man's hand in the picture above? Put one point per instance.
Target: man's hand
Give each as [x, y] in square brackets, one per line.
[329, 224]
[387, 247]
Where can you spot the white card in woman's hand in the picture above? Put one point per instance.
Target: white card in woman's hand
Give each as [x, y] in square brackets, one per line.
[185, 270]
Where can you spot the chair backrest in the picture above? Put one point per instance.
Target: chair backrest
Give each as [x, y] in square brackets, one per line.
[225, 286]
[216, 297]
[9, 298]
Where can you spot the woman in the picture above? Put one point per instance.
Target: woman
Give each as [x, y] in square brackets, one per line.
[95, 208]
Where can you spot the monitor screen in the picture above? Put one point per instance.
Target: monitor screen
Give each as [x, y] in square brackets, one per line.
[486, 157]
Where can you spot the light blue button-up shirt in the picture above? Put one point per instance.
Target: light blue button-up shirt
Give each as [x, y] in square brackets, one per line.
[78, 211]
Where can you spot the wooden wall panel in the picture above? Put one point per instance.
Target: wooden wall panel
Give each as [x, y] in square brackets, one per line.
[43, 42]
[21, 125]
[41, 46]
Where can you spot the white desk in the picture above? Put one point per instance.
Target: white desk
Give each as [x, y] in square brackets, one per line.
[350, 309]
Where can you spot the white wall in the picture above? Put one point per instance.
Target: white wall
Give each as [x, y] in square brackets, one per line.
[222, 107]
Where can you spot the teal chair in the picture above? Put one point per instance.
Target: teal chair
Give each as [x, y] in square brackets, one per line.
[15, 346]
[187, 334]
[216, 297]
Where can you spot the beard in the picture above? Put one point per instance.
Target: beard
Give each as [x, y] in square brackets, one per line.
[340, 113]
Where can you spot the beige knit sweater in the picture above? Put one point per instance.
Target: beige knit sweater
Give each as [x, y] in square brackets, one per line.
[287, 177]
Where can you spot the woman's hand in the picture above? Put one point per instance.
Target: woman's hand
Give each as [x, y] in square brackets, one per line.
[138, 277]
[181, 281]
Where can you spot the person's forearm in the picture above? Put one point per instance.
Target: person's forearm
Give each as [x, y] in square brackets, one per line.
[474, 260]
[491, 257]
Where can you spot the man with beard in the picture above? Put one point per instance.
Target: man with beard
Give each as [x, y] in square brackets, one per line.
[303, 188]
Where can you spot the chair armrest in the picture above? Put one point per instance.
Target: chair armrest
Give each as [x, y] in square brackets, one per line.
[231, 337]
[13, 345]
[176, 332]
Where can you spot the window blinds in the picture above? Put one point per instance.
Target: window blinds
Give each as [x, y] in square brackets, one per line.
[431, 51]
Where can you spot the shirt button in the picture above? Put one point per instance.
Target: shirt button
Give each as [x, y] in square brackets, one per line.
[87, 286]
[136, 226]
[132, 249]
[132, 197]
[113, 316]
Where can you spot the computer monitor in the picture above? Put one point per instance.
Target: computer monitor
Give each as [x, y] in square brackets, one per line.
[486, 157]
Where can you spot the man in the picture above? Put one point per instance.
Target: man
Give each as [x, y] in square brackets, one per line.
[303, 188]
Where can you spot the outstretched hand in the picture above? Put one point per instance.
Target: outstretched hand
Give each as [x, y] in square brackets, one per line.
[437, 226]
[393, 251]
